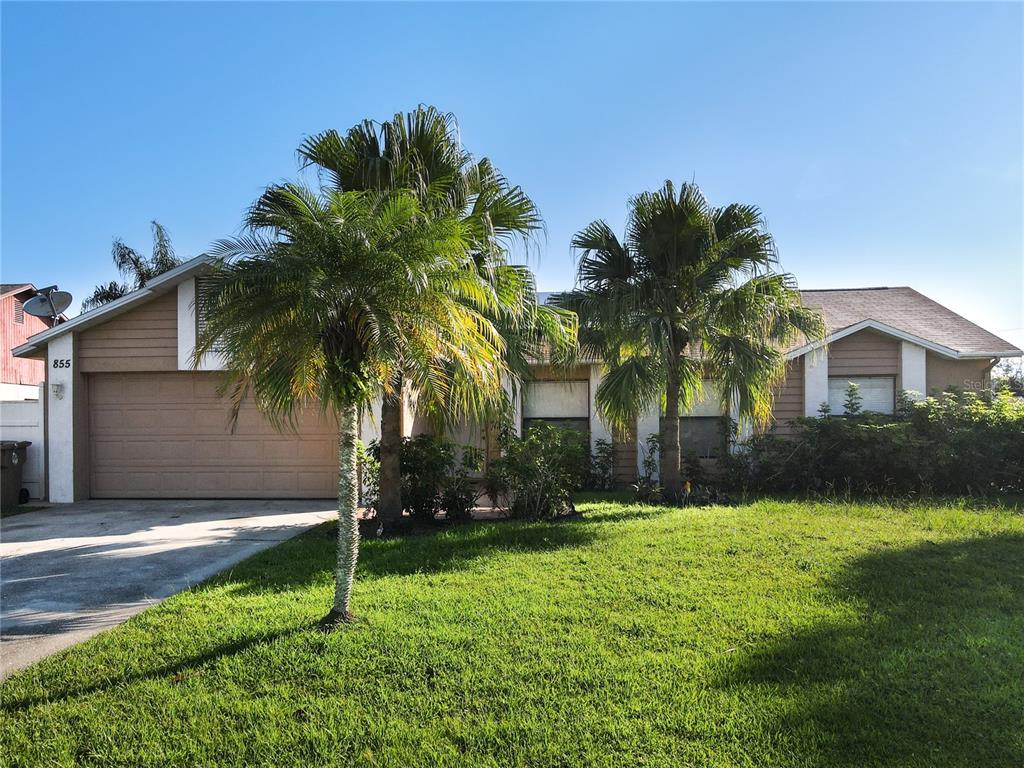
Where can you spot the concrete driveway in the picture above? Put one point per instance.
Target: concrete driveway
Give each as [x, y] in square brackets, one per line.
[71, 571]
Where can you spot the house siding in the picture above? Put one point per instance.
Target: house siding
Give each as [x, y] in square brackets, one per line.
[14, 370]
[866, 353]
[943, 373]
[144, 339]
[789, 398]
[624, 463]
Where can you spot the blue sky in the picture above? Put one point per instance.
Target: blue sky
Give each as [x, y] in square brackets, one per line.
[883, 142]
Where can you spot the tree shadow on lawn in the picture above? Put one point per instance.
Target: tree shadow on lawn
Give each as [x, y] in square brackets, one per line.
[931, 673]
[459, 547]
[310, 558]
[177, 671]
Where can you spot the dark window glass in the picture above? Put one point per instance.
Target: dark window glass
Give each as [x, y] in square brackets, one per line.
[702, 435]
[580, 425]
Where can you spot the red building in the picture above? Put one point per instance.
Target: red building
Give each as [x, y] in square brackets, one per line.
[19, 378]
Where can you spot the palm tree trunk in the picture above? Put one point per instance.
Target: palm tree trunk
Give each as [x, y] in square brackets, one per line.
[389, 507]
[348, 521]
[671, 479]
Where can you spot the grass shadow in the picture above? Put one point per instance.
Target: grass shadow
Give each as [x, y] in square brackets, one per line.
[458, 547]
[310, 557]
[177, 670]
[937, 649]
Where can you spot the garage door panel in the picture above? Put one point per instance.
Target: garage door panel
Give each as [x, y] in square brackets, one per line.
[207, 482]
[246, 451]
[281, 482]
[115, 419]
[319, 480]
[105, 390]
[169, 435]
[176, 482]
[106, 450]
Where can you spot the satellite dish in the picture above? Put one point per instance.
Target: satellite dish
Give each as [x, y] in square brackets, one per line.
[48, 303]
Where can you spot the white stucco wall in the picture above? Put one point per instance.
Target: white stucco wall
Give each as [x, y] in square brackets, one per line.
[517, 404]
[59, 403]
[598, 429]
[187, 331]
[648, 424]
[369, 425]
[815, 381]
[19, 391]
[23, 420]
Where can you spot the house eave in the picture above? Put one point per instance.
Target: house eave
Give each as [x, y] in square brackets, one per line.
[889, 330]
[35, 346]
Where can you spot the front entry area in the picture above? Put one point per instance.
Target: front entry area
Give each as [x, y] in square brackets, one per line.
[167, 435]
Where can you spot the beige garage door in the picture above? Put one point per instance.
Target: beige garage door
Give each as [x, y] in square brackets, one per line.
[166, 435]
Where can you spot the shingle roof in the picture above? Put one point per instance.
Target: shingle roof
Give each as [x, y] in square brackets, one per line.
[6, 288]
[901, 308]
[907, 310]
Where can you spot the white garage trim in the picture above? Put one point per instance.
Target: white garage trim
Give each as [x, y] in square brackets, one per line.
[60, 403]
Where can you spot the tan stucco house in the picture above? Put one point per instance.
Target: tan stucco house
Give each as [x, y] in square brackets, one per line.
[127, 416]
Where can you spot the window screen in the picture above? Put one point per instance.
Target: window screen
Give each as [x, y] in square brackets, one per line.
[201, 310]
[878, 393]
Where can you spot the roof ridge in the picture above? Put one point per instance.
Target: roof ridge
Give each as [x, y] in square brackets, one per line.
[868, 288]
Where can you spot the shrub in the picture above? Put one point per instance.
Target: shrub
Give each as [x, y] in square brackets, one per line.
[458, 487]
[956, 443]
[369, 473]
[602, 466]
[538, 472]
[425, 460]
[432, 479]
[646, 489]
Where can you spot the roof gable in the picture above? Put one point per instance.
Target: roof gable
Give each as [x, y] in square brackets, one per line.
[7, 289]
[904, 313]
[155, 287]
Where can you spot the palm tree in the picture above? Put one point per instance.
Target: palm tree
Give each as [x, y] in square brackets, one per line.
[134, 267]
[325, 297]
[691, 294]
[420, 151]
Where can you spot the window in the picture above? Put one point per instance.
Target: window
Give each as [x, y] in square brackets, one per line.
[201, 311]
[19, 311]
[701, 435]
[557, 400]
[878, 393]
[580, 425]
[200, 306]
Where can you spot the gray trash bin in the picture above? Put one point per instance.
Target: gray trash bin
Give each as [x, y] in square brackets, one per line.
[12, 459]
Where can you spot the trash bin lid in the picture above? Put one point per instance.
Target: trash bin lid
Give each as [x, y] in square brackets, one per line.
[13, 445]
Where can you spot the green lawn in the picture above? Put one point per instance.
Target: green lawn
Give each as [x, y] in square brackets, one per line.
[779, 634]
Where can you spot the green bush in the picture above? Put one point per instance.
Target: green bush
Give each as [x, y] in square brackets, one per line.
[646, 489]
[433, 480]
[537, 473]
[956, 444]
[369, 473]
[602, 466]
[458, 486]
[426, 459]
